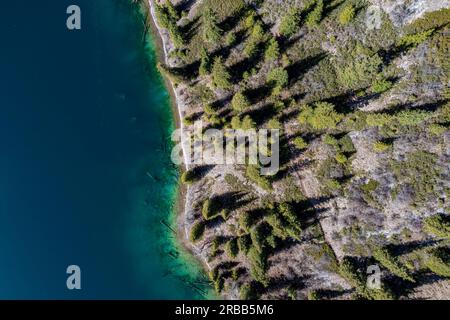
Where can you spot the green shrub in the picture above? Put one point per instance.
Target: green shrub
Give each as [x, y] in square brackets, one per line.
[188, 122]
[378, 119]
[217, 241]
[349, 272]
[210, 209]
[231, 248]
[224, 213]
[383, 256]
[341, 158]
[384, 293]
[247, 292]
[219, 285]
[258, 266]
[175, 35]
[205, 62]
[429, 20]
[380, 86]
[288, 212]
[257, 33]
[244, 243]
[235, 274]
[211, 31]
[439, 262]
[437, 129]
[360, 66]
[300, 143]
[239, 102]
[272, 50]
[346, 144]
[166, 14]
[333, 184]
[246, 221]
[357, 279]
[347, 14]
[290, 23]
[412, 40]
[315, 16]
[321, 116]
[175, 15]
[253, 173]
[214, 274]
[274, 124]
[438, 224]
[170, 73]
[189, 176]
[245, 124]
[278, 77]
[251, 47]
[197, 231]
[313, 295]
[230, 39]
[209, 109]
[329, 139]
[412, 117]
[370, 186]
[381, 146]
[258, 235]
[278, 225]
[221, 76]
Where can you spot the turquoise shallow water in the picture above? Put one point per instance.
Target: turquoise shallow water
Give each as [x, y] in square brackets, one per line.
[85, 171]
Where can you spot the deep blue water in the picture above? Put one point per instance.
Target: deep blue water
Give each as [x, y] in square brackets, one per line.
[83, 117]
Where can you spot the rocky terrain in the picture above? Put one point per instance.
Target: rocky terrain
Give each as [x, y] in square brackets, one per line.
[359, 90]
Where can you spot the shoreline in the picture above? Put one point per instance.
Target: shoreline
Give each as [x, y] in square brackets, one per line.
[182, 194]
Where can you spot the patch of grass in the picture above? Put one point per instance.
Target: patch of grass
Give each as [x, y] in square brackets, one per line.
[419, 171]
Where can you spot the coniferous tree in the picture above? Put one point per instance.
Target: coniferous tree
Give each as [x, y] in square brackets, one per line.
[239, 102]
[220, 74]
[278, 77]
[272, 50]
[314, 17]
[347, 14]
[290, 23]
[205, 62]
[211, 29]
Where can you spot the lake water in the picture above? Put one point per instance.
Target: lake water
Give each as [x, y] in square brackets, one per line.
[85, 170]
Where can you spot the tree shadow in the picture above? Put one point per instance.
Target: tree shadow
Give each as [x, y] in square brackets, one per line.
[297, 283]
[331, 6]
[237, 70]
[255, 95]
[262, 114]
[429, 107]
[190, 29]
[405, 248]
[299, 68]
[232, 20]
[185, 5]
[232, 200]
[289, 115]
[201, 171]
[401, 287]
[188, 71]
[287, 43]
[332, 294]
